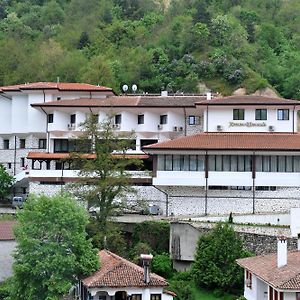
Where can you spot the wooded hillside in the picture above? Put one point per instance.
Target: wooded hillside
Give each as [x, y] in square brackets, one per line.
[225, 44]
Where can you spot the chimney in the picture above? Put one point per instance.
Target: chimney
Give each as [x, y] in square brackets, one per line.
[281, 251]
[298, 242]
[208, 96]
[146, 259]
[164, 94]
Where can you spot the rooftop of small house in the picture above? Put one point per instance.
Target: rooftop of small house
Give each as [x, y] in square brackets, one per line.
[116, 271]
[265, 268]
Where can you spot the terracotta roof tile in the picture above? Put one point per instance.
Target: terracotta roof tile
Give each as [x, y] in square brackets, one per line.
[232, 141]
[126, 101]
[6, 230]
[63, 86]
[116, 271]
[265, 267]
[248, 100]
[45, 155]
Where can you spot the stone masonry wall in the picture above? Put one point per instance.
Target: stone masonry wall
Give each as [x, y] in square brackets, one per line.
[190, 201]
[10, 155]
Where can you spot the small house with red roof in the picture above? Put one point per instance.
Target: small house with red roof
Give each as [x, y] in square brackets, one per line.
[7, 246]
[120, 279]
[273, 276]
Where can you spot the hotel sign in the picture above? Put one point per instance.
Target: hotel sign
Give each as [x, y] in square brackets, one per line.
[247, 124]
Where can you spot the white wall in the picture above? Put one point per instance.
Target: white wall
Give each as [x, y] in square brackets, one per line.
[19, 114]
[194, 178]
[179, 178]
[60, 121]
[36, 119]
[277, 179]
[5, 115]
[224, 115]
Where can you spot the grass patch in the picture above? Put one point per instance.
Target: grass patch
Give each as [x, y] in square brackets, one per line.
[7, 217]
[199, 294]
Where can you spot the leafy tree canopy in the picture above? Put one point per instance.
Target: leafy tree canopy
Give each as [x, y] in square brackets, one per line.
[215, 266]
[104, 180]
[6, 182]
[52, 249]
[111, 42]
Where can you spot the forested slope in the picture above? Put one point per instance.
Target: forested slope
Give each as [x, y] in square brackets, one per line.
[225, 44]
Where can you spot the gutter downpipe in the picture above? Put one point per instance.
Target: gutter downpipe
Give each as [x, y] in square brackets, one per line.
[206, 118]
[167, 199]
[294, 119]
[253, 181]
[206, 183]
[15, 154]
[185, 120]
[47, 131]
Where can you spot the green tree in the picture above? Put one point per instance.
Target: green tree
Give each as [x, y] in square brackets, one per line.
[215, 266]
[162, 265]
[104, 180]
[52, 249]
[6, 182]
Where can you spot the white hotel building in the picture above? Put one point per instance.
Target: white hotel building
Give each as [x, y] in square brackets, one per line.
[235, 154]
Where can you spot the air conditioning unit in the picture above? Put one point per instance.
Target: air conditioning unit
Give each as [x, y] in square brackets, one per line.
[159, 127]
[175, 128]
[116, 126]
[219, 127]
[180, 128]
[71, 126]
[271, 128]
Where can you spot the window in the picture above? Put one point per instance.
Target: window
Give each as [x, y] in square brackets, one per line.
[238, 114]
[73, 119]
[118, 119]
[297, 296]
[61, 145]
[58, 165]
[42, 143]
[283, 114]
[136, 297]
[261, 114]
[248, 279]
[192, 120]
[22, 143]
[230, 163]
[24, 190]
[58, 98]
[50, 118]
[9, 165]
[155, 297]
[163, 119]
[6, 144]
[22, 162]
[141, 119]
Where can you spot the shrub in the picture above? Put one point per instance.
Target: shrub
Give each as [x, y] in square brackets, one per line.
[215, 266]
[162, 265]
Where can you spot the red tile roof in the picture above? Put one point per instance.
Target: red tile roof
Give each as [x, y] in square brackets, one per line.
[6, 230]
[126, 101]
[247, 100]
[265, 267]
[45, 155]
[232, 141]
[61, 86]
[116, 271]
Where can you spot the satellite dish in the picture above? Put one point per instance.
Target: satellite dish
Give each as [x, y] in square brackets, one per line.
[125, 88]
[134, 88]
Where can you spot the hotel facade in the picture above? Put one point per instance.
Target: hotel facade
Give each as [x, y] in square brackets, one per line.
[202, 155]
